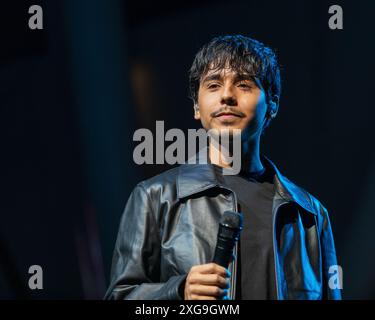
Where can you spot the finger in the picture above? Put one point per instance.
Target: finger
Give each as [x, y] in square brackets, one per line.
[209, 279]
[213, 268]
[212, 291]
[198, 297]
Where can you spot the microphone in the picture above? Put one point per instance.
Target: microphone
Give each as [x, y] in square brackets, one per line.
[230, 227]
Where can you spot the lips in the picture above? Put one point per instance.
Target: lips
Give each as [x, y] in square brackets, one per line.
[228, 115]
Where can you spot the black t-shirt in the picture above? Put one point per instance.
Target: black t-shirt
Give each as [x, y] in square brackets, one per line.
[256, 274]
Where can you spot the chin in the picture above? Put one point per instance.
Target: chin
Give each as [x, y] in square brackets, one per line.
[217, 129]
[230, 126]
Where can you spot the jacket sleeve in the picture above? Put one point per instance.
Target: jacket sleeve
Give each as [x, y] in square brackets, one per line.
[332, 272]
[135, 272]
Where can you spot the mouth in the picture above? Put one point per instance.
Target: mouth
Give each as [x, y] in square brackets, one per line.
[228, 115]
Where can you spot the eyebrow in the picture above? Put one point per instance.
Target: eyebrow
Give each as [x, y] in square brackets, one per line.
[237, 77]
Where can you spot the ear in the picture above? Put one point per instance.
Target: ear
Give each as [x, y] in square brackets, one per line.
[273, 106]
[197, 115]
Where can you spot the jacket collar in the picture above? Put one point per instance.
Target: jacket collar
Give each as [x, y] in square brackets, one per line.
[195, 178]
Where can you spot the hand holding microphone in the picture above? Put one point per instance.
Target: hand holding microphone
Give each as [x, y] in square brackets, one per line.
[211, 281]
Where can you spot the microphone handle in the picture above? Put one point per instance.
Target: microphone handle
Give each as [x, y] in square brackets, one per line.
[223, 251]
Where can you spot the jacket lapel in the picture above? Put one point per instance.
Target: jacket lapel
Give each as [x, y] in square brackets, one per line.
[195, 178]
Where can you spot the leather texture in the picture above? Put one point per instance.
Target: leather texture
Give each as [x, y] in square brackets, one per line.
[170, 224]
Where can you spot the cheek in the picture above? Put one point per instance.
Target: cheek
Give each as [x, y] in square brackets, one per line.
[208, 101]
[207, 105]
[255, 105]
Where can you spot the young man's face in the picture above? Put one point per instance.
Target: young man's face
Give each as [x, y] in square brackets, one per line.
[230, 100]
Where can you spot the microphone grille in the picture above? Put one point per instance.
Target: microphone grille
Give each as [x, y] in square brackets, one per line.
[232, 219]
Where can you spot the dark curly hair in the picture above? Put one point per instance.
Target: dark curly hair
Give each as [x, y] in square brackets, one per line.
[243, 55]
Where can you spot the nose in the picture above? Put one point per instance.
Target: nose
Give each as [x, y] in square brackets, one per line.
[228, 97]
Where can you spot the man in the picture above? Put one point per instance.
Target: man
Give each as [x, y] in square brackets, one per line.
[168, 231]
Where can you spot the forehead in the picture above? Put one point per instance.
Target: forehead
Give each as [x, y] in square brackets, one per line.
[229, 73]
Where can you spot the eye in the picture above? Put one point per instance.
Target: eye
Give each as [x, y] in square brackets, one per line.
[212, 85]
[244, 85]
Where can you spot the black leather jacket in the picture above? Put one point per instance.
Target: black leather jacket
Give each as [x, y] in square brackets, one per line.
[170, 224]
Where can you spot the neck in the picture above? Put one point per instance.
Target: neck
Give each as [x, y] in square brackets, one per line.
[250, 155]
[250, 159]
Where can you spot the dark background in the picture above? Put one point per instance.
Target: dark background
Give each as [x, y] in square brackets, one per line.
[72, 94]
